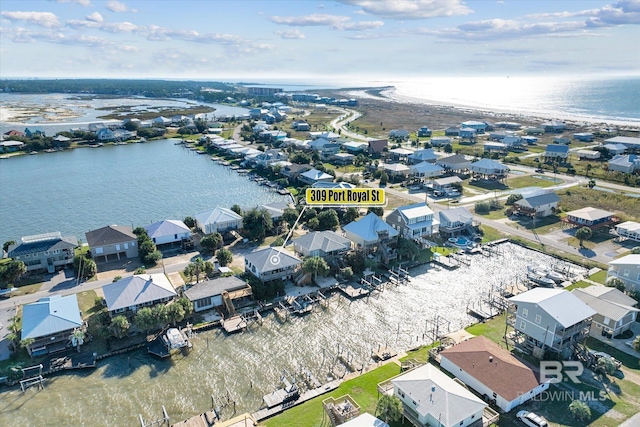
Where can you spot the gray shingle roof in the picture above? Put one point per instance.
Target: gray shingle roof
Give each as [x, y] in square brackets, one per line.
[138, 289]
[369, 226]
[110, 235]
[166, 228]
[540, 199]
[326, 241]
[269, 259]
[29, 246]
[214, 287]
[562, 305]
[50, 315]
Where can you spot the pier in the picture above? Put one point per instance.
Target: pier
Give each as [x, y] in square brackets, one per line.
[445, 261]
[383, 353]
[234, 324]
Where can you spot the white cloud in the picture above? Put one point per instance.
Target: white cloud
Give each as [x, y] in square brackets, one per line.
[411, 9]
[291, 34]
[622, 12]
[336, 22]
[94, 17]
[116, 6]
[43, 19]
[22, 35]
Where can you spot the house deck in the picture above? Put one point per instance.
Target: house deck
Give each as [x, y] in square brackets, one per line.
[384, 353]
[234, 324]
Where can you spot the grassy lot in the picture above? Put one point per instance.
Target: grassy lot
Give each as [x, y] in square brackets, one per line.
[490, 234]
[599, 277]
[87, 303]
[579, 197]
[580, 284]
[531, 181]
[497, 214]
[492, 329]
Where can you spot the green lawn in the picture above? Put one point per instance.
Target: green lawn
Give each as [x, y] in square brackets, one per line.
[492, 329]
[580, 284]
[599, 277]
[497, 214]
[530, 181]
[579, 197]
[87, 303]
[490, 234]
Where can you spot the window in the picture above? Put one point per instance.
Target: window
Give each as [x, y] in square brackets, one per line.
[525, 312]
[126, 246]
[99, 250]
[495, 395]
[523, 325]
[117, 247]
[538, 318]
[625, 274]
[175, 236]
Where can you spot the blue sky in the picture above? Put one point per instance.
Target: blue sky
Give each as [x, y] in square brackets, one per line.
[221, 40]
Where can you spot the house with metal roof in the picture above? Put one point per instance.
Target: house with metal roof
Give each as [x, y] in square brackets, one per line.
[314, 175]
[111, 243]
[492, 372]
[455, 163]
[399, 154]
[626, 269]
[367, 232]
[629, 230]
[399, 133]
[425, 155]
[424, 131]
[127, 296]
[341, 184]
[425, 170]
[615, 148]
[441, 141]
[625, 163]
[321, 243]
[396, 169]
[50, 322]
[555, 152]
[548, 320]
[218, 220]
[631, 142]
[553, 126]
[271, 264]
[615, 311]
[479, 127]
[229, 292]
[415, 221]
[430, 398]
[168, 231]
[355, 147]
[455, 221]
[446, 183]
[44, 251]
[590, 217]
[365, 420]
[488, 169]
[540, 205]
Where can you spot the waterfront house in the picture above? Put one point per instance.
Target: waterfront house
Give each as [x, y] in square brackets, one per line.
[168, 231]
[269, 157]
[440, 141]
[615, 311]
[479, 127]
[455, 221]
[396, 170]
[553, 126]
[419, 156]
[455, 163]
[424, 131]
[127, 296]
[294, 170]
[629, 230]
[625, 163]
[275, 210]
[430, 398]
[111, 243]
[228, 292]
[626, 269]
[488, 169]
[615, 148]
[314, 175]
[399, 134]
[34, 133]
[377, 146]
[105, 135]
[425, 170]
[218, 220]
[161, 121]
[341, 184]
[548, 320]
[590, 217]
[583, 136]
[554, 152]
[271, 264]
[399, 155]
[631, 142]
[492, 372]
[540, 205]
[50, 323]
[371, 233]
[44, 251]
[414, 222]
[11, 146]
[325, 244]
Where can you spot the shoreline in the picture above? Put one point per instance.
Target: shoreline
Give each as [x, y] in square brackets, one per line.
[389, 94]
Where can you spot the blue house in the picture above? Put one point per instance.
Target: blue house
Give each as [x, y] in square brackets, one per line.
[467, 133]
[424, 131]
[34, 132]
[480, 127]
[556, 152]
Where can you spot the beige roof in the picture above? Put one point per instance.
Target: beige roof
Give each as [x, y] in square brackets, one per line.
[590, 214]
[493, 366]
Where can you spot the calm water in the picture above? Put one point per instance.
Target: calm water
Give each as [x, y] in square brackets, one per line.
[78, 190]
[124, 386]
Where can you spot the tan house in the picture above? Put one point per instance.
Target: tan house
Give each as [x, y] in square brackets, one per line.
[113, 242]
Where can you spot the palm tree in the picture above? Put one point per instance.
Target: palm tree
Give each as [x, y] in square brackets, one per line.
[617, 283]
[119, 327]
[315, 265]
[189, 271]
[389, 407]
[583, 234]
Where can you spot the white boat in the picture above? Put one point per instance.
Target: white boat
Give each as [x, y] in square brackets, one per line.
[176, 339]
[539, 279]
[555, 276]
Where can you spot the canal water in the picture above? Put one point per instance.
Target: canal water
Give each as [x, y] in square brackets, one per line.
[74, 191]
[249, 365]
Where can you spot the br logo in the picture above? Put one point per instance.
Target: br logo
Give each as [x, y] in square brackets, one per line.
[556, 372]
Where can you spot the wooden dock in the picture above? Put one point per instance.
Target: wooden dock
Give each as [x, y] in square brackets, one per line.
[446, 262]
[354, 291]
[265, 413]
[234, 324]
[384, 353]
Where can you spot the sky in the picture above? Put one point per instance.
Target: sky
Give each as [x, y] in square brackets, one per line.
[344, 39]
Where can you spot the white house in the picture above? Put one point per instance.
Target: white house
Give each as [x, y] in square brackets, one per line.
[629, 230]
[415, 221]
[128, 295]
[430, 398]
[314, 175]
[456, 220]
[492, 372]
[615, 311]
[625, 163]
[271, 264]
[218, 220]
[549, 320]
[168, 231]
[540, 205]
[626, 269]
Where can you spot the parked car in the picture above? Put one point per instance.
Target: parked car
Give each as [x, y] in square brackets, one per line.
[531, 419]
[540, 170]
[597, 355]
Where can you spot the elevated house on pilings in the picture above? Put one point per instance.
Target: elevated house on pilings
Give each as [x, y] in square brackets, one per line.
[372, 234]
